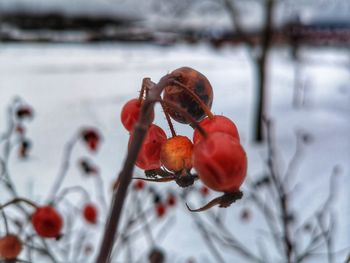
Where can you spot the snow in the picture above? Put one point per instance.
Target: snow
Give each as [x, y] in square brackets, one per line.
[71, 86]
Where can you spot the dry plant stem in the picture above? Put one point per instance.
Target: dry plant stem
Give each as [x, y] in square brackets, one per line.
[283, 200]
[142, 91]
[5, 221]
[140, 130]
[17, 200]
[147, 228]
[68, 190]
[196, 98]
[170, 124]
[67, 153]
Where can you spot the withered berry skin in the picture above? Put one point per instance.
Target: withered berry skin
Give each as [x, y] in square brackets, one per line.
[149, 155]
[218, 123]
[130, 114]
[176, 153]
[10, 247]
[199, 84]
[220, 162]
[47, 222]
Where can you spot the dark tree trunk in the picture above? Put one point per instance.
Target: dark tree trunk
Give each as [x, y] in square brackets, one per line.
[261, 63]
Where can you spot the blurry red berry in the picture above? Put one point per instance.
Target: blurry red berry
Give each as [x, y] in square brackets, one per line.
[10, 247]
[24, 112]
[139, 185]
[160, 210]
[91, 138]
[130, 114]
[149, 155]
[171, 200]
[176, 153]
[20, 129]
[204, 190]
[217, 124]
[220, 162]
[156, 256]
[90, 213]
[197, 83]
[47, 222]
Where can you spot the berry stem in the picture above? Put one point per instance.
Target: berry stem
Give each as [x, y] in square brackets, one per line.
[170, 124]
[140, 129]
[64, 167]
[142, 91]
[204, 107]
[184, 113]
[5, 221]
[71, 190]
[17, 200]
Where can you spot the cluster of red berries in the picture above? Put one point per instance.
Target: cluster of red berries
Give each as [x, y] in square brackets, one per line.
[161, 206]
[215, 153]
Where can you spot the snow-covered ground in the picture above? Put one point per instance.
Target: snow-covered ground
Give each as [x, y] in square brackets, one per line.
[71, 86]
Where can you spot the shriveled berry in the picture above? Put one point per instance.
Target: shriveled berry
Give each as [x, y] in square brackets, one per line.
[10, 247]
[220, 162]
[196, 82]
[24, 148]
[176, 153]
[218, 123]
[157, 198]
[47, 222]
[171, 200]
[149, 155]
[87, 167]
[130, 114]
[91, 138]
[160, 210]
[90, 213]
[24, 112]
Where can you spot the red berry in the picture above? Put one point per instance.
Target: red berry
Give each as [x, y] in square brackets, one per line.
[91, 138]
[171, 200]
[90, 213]
[20, 129]
[216, 124]
[130, 114]
[160, 210]
[47, 222]
[176, 153]
[197, 83]
[10, 247]
[204, 190]
[149, 155]
[220, 162]
[139, 185]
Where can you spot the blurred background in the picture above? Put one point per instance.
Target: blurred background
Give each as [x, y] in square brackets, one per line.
[76, 62]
